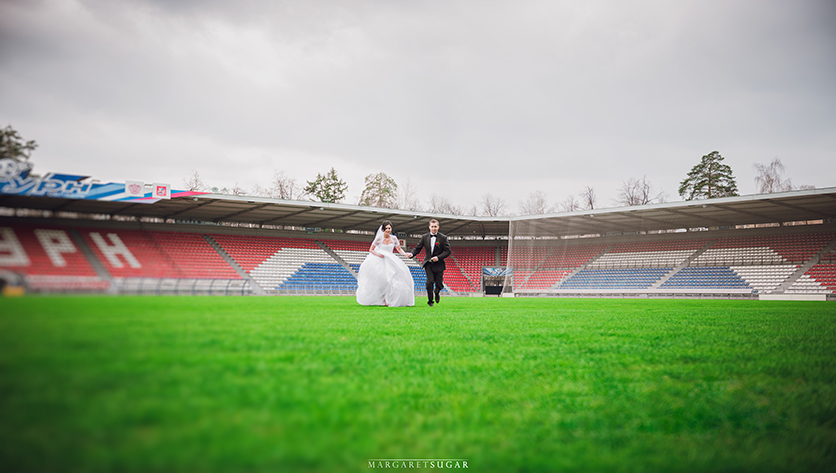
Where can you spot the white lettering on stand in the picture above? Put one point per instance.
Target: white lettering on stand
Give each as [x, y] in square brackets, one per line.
[114, 249]
[56, 243]
[11, 251]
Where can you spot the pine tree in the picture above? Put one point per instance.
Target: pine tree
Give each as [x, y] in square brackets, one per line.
[328, 188]
[12, 146]
[709, 179]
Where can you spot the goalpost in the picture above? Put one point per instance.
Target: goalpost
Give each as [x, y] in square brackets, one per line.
[529, 246]
[540, 255]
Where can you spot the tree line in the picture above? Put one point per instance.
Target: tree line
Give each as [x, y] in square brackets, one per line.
[708, 179]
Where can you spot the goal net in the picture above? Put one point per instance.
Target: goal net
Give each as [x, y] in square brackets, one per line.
[539, 258]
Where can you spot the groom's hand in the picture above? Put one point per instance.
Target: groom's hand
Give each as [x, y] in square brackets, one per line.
[409, 255]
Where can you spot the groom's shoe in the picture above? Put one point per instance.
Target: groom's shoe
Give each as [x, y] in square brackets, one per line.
[437, 298]
[430, 303]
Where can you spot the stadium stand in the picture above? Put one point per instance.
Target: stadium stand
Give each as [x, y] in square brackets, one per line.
[48, 259]
[540, 279]
[550, 265]
[319, 277]
[615, 278]
[69, 258]
[149, 254]
[529, 257]
[455, 279]
[161, 262]
[820, 279]
[721, 277]
[287, 265]
[648, 254]
[764, 250]
[753, 264]
[195, 242]
[765, 278]
[471, 260]
[571, 257]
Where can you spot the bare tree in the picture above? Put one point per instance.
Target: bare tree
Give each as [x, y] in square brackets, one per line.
[283, 187]
[769, 178]
[259, 191]
[491, 206]
[536, 204]
[638, 192]
[194, 183]
[439, 204]
[588, 199]
[238, 190]
[435, 203]
[407, 197]
[570, 204]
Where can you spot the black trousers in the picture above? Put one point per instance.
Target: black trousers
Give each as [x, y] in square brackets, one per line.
[435, 277]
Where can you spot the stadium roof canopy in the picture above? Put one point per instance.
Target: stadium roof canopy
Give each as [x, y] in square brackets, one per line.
[804, 205]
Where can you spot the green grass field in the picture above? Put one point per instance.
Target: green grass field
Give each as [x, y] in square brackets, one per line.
[322, 384]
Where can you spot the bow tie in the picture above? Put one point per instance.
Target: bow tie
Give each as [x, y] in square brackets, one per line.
[432, 234]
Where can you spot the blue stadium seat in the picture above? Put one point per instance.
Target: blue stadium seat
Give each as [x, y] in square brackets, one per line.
[639, 278]
[719, 277]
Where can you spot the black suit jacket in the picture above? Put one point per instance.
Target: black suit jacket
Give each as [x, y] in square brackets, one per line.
[442, 250]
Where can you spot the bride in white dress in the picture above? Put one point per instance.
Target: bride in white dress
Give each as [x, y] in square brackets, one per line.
[383, 278]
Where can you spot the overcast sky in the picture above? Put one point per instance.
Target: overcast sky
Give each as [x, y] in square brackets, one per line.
[461, 97]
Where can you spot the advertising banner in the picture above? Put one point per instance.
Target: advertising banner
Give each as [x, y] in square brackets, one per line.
[16, 178]
[497, 271]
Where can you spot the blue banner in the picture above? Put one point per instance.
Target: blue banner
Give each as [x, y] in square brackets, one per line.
[16, 179]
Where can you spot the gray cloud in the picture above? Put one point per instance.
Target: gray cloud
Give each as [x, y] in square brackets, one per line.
[461, 97]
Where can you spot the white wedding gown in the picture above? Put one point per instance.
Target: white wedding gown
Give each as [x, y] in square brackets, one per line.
[385, 280]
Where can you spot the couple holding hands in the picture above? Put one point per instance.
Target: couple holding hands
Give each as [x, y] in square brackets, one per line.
[384, 279]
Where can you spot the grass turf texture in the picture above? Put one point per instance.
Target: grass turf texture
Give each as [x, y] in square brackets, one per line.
[322, 384]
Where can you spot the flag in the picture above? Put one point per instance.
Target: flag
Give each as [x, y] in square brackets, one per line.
[134, 189]
[161, 191]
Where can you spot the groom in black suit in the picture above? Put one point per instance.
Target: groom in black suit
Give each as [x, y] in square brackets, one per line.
[438, 248]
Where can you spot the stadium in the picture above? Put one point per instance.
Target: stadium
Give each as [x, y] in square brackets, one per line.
[189, 190]
[572, 368]
[779, 245]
